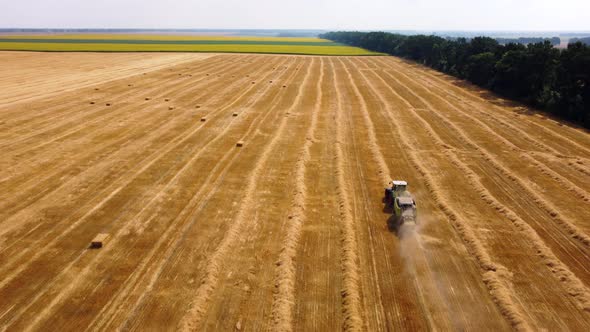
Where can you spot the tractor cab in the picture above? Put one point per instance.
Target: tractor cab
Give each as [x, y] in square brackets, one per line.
[395, 189]
[398, 186]
[400, 201]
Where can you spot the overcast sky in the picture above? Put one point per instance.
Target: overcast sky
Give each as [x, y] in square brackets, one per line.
[301, 14]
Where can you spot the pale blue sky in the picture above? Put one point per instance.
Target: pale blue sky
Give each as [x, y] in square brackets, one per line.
[302, 14]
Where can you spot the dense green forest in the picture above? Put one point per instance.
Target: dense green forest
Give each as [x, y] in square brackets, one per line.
[557, 81]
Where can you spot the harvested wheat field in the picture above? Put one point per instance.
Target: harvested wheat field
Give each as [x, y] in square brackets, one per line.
[273, 219]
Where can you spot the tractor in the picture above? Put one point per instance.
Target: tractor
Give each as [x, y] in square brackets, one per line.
[399, 200]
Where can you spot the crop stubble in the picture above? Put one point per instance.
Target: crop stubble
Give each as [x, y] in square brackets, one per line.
[287, 232]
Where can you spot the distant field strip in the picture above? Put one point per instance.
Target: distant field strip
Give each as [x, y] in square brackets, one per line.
[169, 42]
[162, 37]
[129, 43]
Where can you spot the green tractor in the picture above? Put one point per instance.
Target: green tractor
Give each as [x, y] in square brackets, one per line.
[401, 202]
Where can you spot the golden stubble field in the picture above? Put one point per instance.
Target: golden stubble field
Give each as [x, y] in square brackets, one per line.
[287, 232]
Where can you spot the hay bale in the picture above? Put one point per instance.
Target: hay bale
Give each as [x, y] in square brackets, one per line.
[284, 86]
[203, 119]
[253, 82]
[108, 104]
[147, 98]
[99, 241]
[235, 114]
[240, 144]
[96, 89]
[167, 99]
[92, 103]
[170, 107]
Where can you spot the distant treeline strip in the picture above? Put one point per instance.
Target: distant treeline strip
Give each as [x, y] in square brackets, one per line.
[585, 40]
[528, 40]
[163, 42]
[557, 81]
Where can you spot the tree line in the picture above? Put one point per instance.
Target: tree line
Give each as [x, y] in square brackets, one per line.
[528, 40]
[585, 40]
[554, 80]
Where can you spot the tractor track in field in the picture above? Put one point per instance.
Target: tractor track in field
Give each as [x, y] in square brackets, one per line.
[194, 316]
[286, 231]
[285, 277]
[351, 293]
[467, 234]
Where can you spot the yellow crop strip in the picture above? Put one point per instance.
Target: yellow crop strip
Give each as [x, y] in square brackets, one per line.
[227, 47]
[167, 37]
[277, 49]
